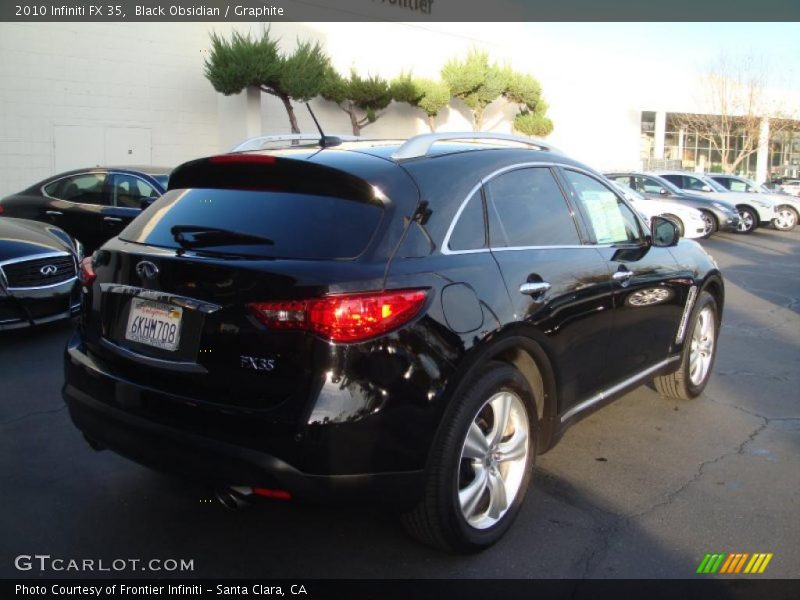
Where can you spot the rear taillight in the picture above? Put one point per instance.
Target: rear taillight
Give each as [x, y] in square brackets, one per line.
[86, 275]
[343, 317]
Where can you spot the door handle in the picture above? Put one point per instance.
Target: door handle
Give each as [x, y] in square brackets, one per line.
[534, 288]
[54, 213]
[622, 276]
[112, 219]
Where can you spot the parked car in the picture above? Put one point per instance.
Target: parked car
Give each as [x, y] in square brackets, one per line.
[689, 220]
[91, 205]
[791, 187]
[787, 208]
[753, 210]
[38, 274]
[408, 322]
[718, 215]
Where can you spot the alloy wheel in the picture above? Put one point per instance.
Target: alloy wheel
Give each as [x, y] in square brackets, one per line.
[494, 457]
[746, 221]
[708, 224]
[786, 219]
[701, 350]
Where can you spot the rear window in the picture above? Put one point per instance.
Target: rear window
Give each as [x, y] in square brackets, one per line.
[301, 226]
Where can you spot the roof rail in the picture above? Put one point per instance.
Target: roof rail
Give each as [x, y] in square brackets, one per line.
[420, 145]
[258, 142]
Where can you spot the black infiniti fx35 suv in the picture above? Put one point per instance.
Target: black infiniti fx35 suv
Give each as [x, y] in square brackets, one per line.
[412, 322]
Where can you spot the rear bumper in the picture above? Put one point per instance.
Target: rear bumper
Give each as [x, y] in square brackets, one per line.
[216, 462]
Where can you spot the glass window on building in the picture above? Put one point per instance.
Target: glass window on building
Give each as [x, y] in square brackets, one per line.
[648, 134]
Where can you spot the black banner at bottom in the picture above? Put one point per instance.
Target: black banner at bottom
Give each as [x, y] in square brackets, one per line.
[433, 589]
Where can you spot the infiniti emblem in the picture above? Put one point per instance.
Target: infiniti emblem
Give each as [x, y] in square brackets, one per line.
[146, 270]
[48, 270]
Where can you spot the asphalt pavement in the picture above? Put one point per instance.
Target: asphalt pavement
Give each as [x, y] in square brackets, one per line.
[643, 488]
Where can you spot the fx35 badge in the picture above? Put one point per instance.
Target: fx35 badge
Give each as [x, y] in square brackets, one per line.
[256, 363]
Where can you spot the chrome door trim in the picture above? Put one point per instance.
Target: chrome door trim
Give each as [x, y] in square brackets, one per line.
[486, 179]
[687, 310]
[604, 394]
[158, 296]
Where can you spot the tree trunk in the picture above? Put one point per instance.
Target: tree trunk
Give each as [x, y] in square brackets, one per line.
[351, 110]
[432, 122]
[290, 111]
[477, 117]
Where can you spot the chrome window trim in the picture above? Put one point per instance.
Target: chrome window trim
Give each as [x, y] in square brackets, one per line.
[486, 179]
[87, 172]
[158, 296]
[604, 394]
[12, 261]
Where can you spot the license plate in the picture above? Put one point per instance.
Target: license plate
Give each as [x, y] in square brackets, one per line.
[154, 324]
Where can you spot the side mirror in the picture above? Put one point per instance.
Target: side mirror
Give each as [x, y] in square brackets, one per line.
[145, 202]
[665, 232]
[707, 188]
[663, 191]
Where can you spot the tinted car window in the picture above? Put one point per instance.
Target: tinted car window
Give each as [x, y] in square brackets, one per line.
[526, 208]
[470, 230]
[128, 190]
[86, 188]
[646, 184]
[611, 220]
[694, 183]
[299, 225]
[622, 179]
[676, 179]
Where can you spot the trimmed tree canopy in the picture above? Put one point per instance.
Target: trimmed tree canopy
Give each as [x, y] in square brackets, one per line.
[242, 61]
[477, 82]
[360, 97]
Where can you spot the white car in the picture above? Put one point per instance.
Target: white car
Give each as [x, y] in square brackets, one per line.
[788, 207]
[689, 220]
[754, 209]
[791, 187]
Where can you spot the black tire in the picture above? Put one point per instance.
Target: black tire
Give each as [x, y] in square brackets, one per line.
[789, 218]
[677, 221]
[711, 223]
[748, 220]
[679, 385]
[438, 520]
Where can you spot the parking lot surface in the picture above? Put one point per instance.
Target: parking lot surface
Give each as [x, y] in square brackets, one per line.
[643, 488]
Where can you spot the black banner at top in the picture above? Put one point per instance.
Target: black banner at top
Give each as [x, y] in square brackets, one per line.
[398, 10]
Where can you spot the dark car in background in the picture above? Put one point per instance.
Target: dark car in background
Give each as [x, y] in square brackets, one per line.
[92, 205]
[717, 214]
[406, 322]
[38, 274]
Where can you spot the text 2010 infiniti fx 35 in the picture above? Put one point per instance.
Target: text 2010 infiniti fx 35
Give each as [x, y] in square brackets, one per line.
[410, 322]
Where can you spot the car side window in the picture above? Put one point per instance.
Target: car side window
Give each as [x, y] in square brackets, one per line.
[470, 230]
[128, 190]
[694, 183]
[651, 186]
[735, 185]
[725, 182]
[527, 208]
[610, 219]
[85, 189]
[677, 180]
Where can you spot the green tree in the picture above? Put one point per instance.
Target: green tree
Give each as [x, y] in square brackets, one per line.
[524, 90]
[242, 61]
[476, 81]
[426, 94]
[362, 98]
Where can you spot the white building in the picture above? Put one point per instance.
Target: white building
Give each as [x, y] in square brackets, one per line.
[79, 94]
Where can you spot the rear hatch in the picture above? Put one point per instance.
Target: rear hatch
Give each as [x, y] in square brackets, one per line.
[172, 302]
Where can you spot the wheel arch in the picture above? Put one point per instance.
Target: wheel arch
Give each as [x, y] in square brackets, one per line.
[529, 357]
[714, 285]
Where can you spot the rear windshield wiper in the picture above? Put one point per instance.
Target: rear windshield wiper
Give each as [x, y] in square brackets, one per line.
[196, 236]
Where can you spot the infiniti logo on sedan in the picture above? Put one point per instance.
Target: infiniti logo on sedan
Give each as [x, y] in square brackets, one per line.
[48, 270]
[146, 270]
